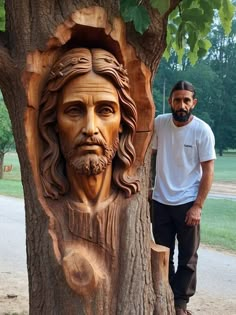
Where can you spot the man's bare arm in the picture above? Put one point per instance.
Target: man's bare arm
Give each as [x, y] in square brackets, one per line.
[206, 182]
[153, 168]
[193, 216]
[152, 173]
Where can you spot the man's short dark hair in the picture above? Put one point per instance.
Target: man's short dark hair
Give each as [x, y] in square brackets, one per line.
[183, 85]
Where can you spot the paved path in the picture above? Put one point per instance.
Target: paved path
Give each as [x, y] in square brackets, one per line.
[12, 236]
[216, 287]
[216, 272]
[222, 196]
[13, 271]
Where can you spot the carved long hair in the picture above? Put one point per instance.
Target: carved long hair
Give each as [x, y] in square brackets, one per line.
[76, 62]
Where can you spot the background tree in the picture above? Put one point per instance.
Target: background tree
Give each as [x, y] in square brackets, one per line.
[213, 77]
[31, 26]
[6, 136]
[222, 59]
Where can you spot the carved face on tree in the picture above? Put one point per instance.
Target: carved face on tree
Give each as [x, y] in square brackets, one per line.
[88, 123]
[111, 108]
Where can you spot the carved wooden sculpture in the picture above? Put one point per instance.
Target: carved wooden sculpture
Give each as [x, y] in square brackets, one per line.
[89, 123]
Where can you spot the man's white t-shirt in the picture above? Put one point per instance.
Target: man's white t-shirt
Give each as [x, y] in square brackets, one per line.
[180, 150]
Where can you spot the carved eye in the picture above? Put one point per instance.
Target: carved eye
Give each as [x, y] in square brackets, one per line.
[74, 110]
[106, 110]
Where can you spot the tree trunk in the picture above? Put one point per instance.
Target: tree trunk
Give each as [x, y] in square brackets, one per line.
[1, 164]
[134, 282]
[221, 151]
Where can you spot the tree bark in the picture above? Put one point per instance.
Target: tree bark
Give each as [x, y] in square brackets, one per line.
[35, 29]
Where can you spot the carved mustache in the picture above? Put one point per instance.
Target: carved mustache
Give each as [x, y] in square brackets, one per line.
[109, 151]
[93, 140]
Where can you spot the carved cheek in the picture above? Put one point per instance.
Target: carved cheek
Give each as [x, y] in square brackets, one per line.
[67, 130]
[112, 129]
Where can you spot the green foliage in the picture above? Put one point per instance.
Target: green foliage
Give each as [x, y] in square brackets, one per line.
[222, 58]
[132, 12]
[6, 136]
[188, 27]
[226, 13]
[189, 24]
[192, 22]
[161, 6]
[2, 15]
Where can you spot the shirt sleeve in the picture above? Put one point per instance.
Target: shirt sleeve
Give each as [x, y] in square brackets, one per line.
[207, 145]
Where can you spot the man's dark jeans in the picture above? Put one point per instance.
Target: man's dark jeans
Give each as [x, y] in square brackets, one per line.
[168, 223]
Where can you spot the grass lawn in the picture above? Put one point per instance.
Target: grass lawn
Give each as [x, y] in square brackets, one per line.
[218, 218]
[225, 168]
[218, 223]
[11, 184]
[11, 188]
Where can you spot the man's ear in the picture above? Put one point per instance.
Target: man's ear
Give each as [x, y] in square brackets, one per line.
[169, 101]
[195, 102]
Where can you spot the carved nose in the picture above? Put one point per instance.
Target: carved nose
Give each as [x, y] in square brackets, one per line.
[90, 127]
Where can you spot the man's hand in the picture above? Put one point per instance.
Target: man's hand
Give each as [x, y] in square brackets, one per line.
[193, 216]
[150, 191]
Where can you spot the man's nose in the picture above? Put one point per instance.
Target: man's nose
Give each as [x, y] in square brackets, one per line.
[90, 128]
[182, 104]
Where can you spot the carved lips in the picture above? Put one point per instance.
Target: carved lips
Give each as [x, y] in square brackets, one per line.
[91, 145]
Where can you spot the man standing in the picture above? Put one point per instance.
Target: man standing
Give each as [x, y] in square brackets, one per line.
[184, 147]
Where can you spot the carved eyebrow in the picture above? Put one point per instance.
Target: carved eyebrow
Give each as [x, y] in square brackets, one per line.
[75, 102]
[107, 102]
[80, 102]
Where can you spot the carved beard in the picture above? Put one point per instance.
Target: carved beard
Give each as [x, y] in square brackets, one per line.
[91, 164]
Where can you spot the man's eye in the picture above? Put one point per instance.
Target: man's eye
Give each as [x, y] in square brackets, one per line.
[187, 100]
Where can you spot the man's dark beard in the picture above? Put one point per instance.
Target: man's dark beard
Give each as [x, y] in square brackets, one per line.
[181, 117]
[91, 164]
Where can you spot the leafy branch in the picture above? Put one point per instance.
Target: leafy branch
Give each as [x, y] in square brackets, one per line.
[188, 25]
[134, 11]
